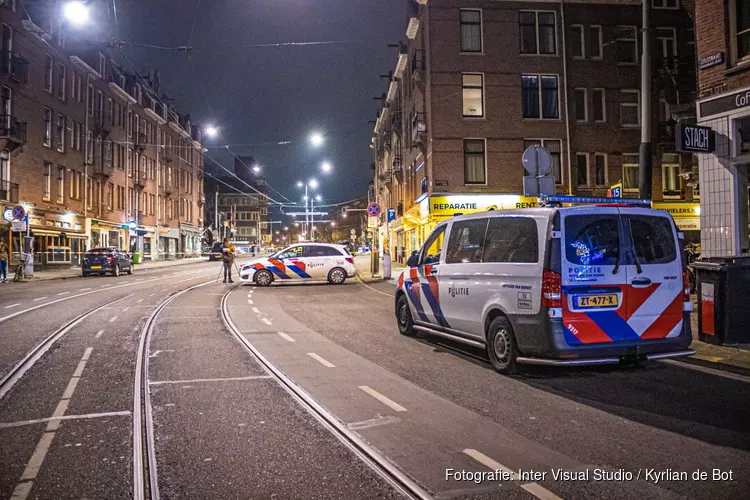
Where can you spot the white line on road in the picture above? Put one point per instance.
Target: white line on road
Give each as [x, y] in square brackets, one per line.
[84, 289]
[228, 379]
[65, 417]
[486, 461]
[322, 361]
[266, 321]
[113, 319]
[388, 402]
[540, 491]
[255, 310]
[139, 301]
[40, 298]
[248, 301]
[374, 289]
[13, 305]
[63, 293]
[152, 295]
[125, 308]
[286, 337]
[98, 334]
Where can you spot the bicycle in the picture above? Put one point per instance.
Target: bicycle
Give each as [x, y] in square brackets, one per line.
[693, 255]
[20, 275]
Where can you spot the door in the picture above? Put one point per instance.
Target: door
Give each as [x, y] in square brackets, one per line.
[654, 270]
[422, 288]
[594, 281]
[459, 285]
[289, 264]
[319, 261]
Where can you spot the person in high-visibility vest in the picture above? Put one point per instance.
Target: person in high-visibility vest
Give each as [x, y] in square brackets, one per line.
[227, 257]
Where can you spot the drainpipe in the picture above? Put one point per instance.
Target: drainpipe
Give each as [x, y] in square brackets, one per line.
[158, 201]
[86, 155]
[565, 94]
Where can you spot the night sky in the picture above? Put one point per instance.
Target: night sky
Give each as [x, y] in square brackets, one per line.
[271, 94]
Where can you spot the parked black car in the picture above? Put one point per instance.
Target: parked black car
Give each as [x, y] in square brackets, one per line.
[215, 253]
[106, 260]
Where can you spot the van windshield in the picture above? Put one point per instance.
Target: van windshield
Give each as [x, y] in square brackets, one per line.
[592, 240]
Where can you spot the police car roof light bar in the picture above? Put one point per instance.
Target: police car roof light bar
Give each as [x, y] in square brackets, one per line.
[589, 200]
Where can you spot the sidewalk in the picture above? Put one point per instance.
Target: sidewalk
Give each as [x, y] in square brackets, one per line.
[362, 263]
[733, 359]
[62, 274]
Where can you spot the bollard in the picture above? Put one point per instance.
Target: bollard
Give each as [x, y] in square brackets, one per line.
[387, 266]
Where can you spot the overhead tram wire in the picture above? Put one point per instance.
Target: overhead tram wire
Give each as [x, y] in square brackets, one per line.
[195, 22]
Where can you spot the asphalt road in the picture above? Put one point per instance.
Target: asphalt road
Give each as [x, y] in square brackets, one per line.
[224, 427]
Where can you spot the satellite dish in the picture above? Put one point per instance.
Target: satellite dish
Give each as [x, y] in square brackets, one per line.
[537, 161]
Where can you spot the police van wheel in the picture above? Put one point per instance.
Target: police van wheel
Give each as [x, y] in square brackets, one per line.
[263, 278]
[337, 276]
[501, 346]
[403, 316]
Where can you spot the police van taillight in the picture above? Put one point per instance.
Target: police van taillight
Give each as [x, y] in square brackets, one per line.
[551, 289]
[687, 302]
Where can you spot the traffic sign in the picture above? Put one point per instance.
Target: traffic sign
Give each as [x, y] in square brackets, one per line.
[537, 161]
[8, 215]
[19, 212]
[18, 226]
[616, 191]
[373, 209]
[391, 214]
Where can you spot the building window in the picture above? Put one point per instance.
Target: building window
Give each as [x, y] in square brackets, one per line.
[670, 175]
[537, 32]
[666, 39]
[110, 195]
[77, 87]
[47, 140]
[582, 169]
[89, 146]
[554, 146]
[60, 184]
[473, 90]
[102, 66]
[61, 81]
[595, 42]
[630, 108]
[474, 162]
[630, 172]
[60, 133]
[582, 106]
[540, 101]
[471, 30]
[739, 26]
[665, 4]
[627, 44]
[47, 181]
[577, 43]
[600, 105]
[48, 73]
[600, 169]
[90, 100]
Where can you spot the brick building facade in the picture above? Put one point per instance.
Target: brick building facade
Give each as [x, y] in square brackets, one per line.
[479, 81]
[92, 150]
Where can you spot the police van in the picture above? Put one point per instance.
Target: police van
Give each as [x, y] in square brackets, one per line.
[557, 285]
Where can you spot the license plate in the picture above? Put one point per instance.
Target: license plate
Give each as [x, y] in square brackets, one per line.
[594, 301]
[96, 267]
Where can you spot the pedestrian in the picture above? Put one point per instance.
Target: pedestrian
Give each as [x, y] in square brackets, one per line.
[227, 257]
[3, 262]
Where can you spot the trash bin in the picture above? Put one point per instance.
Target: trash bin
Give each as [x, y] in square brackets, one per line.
[722, 287]
[137, 257]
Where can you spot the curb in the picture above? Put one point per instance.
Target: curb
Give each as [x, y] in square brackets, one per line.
[57, 278]
[714, 363]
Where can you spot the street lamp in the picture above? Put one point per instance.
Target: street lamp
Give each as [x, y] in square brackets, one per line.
[313, 183]
[325, 167]
[286, 228]
[256, 168]
[318, 197]
[212, 131]
[317, 139]
[76, 12]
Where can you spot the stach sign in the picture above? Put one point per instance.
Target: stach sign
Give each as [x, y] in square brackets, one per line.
[694, 139]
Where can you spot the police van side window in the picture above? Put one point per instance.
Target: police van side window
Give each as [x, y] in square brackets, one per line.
[433, 247]
[466, 242]
[592, 240]
[511, 239]
[653, 239]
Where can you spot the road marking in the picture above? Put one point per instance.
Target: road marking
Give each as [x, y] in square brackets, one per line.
[266, 321]
[255, 310]
[386, 401]
[40, 298]
[139, 301]
[63, 293]
[13, 305]
[540, 491]
[248, 301]
[98, 334]
[322, 361]
[103, 286]
[23, 423]
[286, 337]
[486, 461]
[84, 289]
[152, 295]
[227, 379]
[125, 309]
[374, 289]
[113, 319]
[373, 422]
[31, 471]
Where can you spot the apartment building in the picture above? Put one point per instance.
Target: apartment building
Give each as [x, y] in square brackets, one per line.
[477, 82]
[723, 45]
[91, 149]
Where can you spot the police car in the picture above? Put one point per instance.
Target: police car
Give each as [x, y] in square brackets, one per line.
[557, 285]
[301, 262]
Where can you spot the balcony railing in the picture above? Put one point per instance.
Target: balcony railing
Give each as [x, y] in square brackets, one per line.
[167, 155]
[140, 178]
[140, 140]
[397, 164]
[15, 66]
[168, 186]
[13, 129]
[8, 191]
[418, 127]
[418, 63]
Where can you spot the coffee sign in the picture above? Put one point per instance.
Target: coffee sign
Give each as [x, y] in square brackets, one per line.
[695, 139]
[725, 103]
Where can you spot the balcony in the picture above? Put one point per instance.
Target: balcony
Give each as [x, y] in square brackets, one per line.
[15, 66]
[397, 164]
[139, 178]
[103, 167]
[168, 186]
[418, 128]
[8, 192]
[12, 129]
[140, 141]
[418, 64]
[167, 155]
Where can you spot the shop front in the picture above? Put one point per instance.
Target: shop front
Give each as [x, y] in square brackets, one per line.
[142, 241]
[725, 206]
[168, 243]
[190, 239]
[59, 240]
[108, 234]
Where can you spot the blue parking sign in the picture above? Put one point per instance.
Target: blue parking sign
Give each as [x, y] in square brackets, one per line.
[391, 214]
